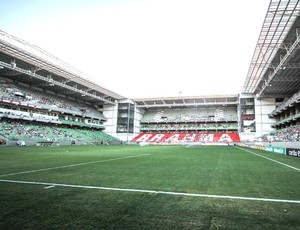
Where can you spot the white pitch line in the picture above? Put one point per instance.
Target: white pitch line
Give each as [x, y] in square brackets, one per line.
[278, 162]
[73, 165]
[153, 191]
[51, 186]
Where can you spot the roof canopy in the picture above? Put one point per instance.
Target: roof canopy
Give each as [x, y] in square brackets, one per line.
[27, 63]
[192, 101]
[274, 69]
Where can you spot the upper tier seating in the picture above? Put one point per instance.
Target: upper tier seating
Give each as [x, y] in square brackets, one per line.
[189, 126]
[190, 115]
[30, 97]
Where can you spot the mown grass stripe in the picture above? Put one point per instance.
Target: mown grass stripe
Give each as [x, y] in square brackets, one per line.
[72, 165]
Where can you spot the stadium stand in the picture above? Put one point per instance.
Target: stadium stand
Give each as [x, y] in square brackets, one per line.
[43, 134]
[190, 115]
[39, 92]
[40, 118]
[33, 98]
[287, 113]
[188, 137]
[193, 124]
[189, 127]
[290, 134]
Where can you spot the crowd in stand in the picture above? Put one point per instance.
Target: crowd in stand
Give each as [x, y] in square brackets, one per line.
[21, 130]
[190, 115]
[200, 126]
[288, 134]
[18, 95]
[14, 130]
[41, 121]
[51, 101]
[12, 93]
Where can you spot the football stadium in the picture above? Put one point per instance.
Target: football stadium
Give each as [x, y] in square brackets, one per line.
[76, 155]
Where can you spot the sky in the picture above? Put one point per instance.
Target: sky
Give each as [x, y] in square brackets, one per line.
[145, 48]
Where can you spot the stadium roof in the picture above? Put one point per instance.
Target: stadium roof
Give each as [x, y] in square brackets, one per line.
[27, 63]
[274, 69]
[192, 101]
[273, 72]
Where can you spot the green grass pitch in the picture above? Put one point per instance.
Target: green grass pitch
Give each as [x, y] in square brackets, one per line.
[149, 187]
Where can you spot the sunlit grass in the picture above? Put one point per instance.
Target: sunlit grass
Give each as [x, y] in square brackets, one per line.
[211, 170]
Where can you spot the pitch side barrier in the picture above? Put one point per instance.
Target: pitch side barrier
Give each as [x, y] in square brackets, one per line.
[188, 144]
[35, 143]
[21, 143]
[282, 148]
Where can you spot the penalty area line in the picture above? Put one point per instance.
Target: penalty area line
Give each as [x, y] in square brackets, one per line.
[51, 185]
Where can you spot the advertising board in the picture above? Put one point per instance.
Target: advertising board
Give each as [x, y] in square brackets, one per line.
[293, 152]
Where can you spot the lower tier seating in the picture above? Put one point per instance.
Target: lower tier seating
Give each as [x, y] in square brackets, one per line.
[185, 137]
[14, 131]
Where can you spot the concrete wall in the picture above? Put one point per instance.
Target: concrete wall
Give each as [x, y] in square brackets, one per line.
[111, 113]
[264, 107]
